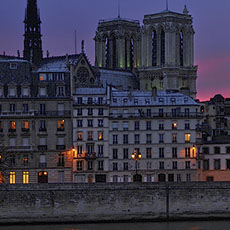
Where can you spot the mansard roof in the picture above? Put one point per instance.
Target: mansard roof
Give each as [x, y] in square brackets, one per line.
[147, 98]
[57, 64]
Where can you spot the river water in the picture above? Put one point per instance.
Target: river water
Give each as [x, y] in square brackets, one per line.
[193, 225]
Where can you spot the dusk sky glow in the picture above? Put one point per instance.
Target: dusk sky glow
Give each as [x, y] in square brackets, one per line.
[61, 17]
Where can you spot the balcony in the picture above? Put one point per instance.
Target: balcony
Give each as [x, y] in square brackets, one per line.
[60, 147]
[42, 165]
[16, 113]
[60, 129]
[91, 156]
[12, 130]
[25, 130]
[65, 113]
[19, 148]
[154, 115]
[42, 147]
[42, 130]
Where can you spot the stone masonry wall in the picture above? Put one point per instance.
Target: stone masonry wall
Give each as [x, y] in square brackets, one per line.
[112, 202]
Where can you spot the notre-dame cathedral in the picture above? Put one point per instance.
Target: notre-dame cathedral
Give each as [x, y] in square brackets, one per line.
[160, 53]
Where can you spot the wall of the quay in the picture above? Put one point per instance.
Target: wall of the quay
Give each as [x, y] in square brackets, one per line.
[112, 202]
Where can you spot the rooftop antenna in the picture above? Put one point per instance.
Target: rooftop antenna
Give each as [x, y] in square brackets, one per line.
[75, 41]
[119, 9]
[167, 5]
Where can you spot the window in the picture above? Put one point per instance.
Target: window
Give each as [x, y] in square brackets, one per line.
[79, 112]
[79, 150]
[100, 111]
[186, 125]
[126, 166]
[149, 165]
[205, 150]
[137, 125]
[228, 149]
[61, 159]
[90, 111]
[115, 178]
[135, 101]
[161, 113]
[161, 165]
[42, 109]
[115, 166]
[79, 165]
[114, 100]
[206, 164]
[100, 100]
[25, 177]
[12, 108]
[136, 139]
[125, 153]
[174, 152]
[13, 125]
[115, 126]
[42, 77]
[12, 92]
[90, 165]
[125, 125]
[188, 177]
[42, 141]
[79, 100]
[60, 108]
[227, 163]
[90, 123]
[174, 126]
[25, 160]
[79, 123]
[12, 142]
[125, 139]
[12, 177]
[148, 153]
[61, 141]
[148, 112]
[217, 150]
[100, 150]
[115, 139]
[161, 138]
[174, 165]
[148, 138]
[25, 108]
[178, 177]
[100, 165]
[174, 138]
[25, 141]
[187, 152]
[42, 125]
[161, 126]
[186, 112]
[60, 91]
[100, 135]
[90, 135]
[115, 154]
[161, 153]
[217, 164]
[187, 164]
[100, 123]
[187, 137]
[148, 125]
[90, 100]
[61, 125]
[42, 92]
[13, 66]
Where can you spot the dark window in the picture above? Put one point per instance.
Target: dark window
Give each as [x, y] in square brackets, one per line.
[90, 111]
[174, 165]
[148, 153]
[209, 178]
[206, 164]
[187, 164]
[161, 153]
[125, 139]
[227, 163]
[25, 108]
[205, 150]
[136, 125]
[126, 166]
[115, 154]
[100, 111]
[174, 152]
[61, 159]
[79, 112]
[79, 123]
[162, 47]
[170, 177]
[125, 153]
[217, 164]
[154, 48]
[115, 166]
[148, 125]
[181, 48]
[100, 123]
[136, 139]
[161, 165]
[90, 123]
[217, 150]
[115, 141]
[42, 109]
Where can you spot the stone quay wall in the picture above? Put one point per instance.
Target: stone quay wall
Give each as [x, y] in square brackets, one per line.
[40, 203]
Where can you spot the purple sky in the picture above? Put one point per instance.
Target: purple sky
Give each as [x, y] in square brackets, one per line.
[61, 17]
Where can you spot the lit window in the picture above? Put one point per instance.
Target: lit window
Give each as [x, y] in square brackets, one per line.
[25, 92]
[12, 178]
[187, 137]
[25, 160]
[61, 124]
[100, 135]
[13, 125]
[174, 125]
[42, 91]
[79, 136]
[25, 177]
[12, 92]
[42, 77]
[25, 125]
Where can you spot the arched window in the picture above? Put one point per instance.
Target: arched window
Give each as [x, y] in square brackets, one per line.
[114, 52]
[107, 51]
[131, 52]
[154, 48]
[181, 48]
[126, 53]
[162, 47]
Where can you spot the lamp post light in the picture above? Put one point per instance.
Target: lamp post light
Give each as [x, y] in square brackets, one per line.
[136, 156]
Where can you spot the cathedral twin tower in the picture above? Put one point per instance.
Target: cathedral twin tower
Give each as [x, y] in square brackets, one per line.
[160, 53]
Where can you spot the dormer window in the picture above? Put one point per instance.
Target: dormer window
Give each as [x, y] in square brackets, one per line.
[147, 101]
[13, 66]
[60, 91]
[42, 92]
[161, 100]
[125, 100]
[42, 77]
[135, 102]
[25, 92]
[114, 100]
[12, 92]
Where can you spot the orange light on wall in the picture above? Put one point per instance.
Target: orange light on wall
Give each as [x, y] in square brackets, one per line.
[193, 151]
[74, 152]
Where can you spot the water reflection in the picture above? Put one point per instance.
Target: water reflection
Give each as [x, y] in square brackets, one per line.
[205, 225]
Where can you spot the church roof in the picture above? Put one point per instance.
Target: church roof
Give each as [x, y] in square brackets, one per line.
[57, 64]
[118, 78]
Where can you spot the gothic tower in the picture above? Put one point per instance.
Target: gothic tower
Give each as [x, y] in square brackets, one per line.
[32, 41]
[167, 59]
[118, 44]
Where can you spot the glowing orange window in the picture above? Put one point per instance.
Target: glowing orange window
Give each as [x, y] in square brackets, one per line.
[13, 125]
[26, 124]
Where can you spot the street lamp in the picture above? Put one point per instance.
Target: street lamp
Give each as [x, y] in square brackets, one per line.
[136, 156]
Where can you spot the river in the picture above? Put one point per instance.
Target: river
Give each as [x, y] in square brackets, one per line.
[193, 225]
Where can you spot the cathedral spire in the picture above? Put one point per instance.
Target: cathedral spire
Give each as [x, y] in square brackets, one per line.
[32, 41]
